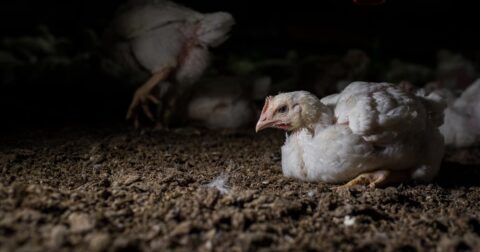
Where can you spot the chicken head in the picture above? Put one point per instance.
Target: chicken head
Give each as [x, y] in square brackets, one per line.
[293, 111]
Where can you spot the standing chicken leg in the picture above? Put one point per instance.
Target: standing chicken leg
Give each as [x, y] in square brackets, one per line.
[169, 40]
[144, 94]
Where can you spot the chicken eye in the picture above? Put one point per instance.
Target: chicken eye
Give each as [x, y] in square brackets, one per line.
[282, 109]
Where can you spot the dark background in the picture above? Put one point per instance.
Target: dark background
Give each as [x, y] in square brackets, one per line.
[409, 30]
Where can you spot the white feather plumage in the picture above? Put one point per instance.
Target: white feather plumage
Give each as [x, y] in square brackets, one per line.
[461, 126]
[377, 127]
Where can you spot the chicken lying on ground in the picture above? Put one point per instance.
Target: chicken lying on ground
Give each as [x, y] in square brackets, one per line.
[170, 42]
[226, 102]
[371, 134]
[461, 127]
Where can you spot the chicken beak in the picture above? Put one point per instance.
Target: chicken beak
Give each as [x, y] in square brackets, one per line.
[265, 121]
[263, 124]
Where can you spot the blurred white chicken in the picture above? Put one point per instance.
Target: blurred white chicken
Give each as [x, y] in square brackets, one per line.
[330, 74]
[461, 127]
[454, 71]
[371, 134]
[415, 74]
[170, 42]
[227, 102]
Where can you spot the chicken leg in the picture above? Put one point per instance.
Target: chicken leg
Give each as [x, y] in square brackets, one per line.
[380, 178]
[144, 94]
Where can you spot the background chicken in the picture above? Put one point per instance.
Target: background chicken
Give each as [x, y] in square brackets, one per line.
[454, 71]
[168, 41]
[370, 134]
[416, 74]
[226, 102]
[325, 75]
[461, 127]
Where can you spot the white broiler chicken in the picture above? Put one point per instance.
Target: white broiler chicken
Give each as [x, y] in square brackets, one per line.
[227, 102]
[461, 127]
[170, 42]
[371, 134]
[454, 71]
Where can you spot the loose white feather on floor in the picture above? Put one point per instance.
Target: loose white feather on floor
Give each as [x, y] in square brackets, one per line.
[219, 183]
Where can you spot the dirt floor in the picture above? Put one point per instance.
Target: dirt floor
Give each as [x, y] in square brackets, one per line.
[111, 188]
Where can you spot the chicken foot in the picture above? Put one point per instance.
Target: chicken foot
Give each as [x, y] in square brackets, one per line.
[380, 178]
[165, 113]
[143, 95]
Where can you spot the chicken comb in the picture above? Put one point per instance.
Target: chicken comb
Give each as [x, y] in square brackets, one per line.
[267, 103]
